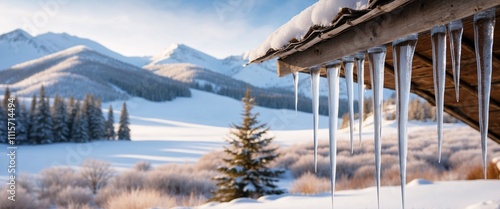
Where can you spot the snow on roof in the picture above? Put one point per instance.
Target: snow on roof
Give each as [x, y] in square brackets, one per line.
[322, 13]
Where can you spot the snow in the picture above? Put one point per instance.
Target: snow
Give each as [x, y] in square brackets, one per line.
[455, 194]
[181, 131]
[321, 13]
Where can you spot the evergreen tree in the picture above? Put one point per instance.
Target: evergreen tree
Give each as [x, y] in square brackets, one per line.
[31, 121]
[123, 129]
[6, 97]
[80, 131]
[3, 125]
[3, 117]
[109, 128]
[98, 121]
[246, 173]
[21, 122]
[72, 111]
[60, 117]
[42, 123]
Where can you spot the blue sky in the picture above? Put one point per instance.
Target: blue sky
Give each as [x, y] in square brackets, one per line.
[138, 28]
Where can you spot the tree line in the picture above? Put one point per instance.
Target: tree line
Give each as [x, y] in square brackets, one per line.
[69, 120]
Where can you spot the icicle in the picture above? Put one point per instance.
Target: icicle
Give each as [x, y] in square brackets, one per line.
[484, 25]
[315, 71]
[332, 73]
[403, 50]
[438, 39]
[455, 29]
[296, 88]
[360, 65]
[376, 56]
[348, 68]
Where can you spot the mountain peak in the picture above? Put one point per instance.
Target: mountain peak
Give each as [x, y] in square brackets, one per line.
[17, 35]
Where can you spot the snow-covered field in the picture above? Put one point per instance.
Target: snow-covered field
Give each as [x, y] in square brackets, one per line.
[183, 130]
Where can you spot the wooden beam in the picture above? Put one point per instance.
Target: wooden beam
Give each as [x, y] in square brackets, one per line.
[414, 17]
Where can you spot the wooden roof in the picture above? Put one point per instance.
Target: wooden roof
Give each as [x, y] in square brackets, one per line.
[387, 22]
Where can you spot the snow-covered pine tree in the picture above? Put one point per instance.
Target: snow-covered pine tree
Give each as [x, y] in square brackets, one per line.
[6, 97]
[3, 125]
[21, 122]
[43, 120]
[246, 173]
[123, 129]
[72, 111]
[31, 121]
[80, 131]
[60, 117]
[109, 128]
[87, 112]
[98, 123]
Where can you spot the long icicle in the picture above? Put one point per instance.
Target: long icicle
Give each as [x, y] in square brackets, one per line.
[376, 56]
[360, 66]
[332, 73]
[484, 26]
[438, 39]
[296, 88]
[348, 68]
[403, 50]
[455, 30]
[315, 71]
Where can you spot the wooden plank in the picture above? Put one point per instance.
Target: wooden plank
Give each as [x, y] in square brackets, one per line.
[415, 17]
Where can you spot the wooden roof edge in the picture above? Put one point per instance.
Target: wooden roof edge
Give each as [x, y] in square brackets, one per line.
[374, 30]
[315, 35]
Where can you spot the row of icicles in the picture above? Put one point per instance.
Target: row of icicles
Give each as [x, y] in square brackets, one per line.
[403, 50]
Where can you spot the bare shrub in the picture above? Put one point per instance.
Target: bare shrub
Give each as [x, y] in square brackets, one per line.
[52, 180]
[310, 184]
[140, 199]
[125, 182]
[143, 166]
[75, 197]
[476, 172]
[175, 182]
[305, 164]
[96, 173]
[285, 161]
[211, 161]
[24, 200]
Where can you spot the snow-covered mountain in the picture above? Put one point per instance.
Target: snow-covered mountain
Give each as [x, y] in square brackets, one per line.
[18, 46]
[260, 75]
[80, 70]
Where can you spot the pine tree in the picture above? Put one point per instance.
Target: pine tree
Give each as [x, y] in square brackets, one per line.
[42, 123]
[123, 129]
[80, 131]
[109, 128]
[3, 125]
[6, 97]
[3, 117]
[31, 121]
[60, 117]
[21, 122]
[246, 173]
[72, 111]
[98, 121]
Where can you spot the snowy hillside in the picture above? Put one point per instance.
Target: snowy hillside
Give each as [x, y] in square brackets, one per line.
[260, 75]
[70, 71]
[18, 46]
